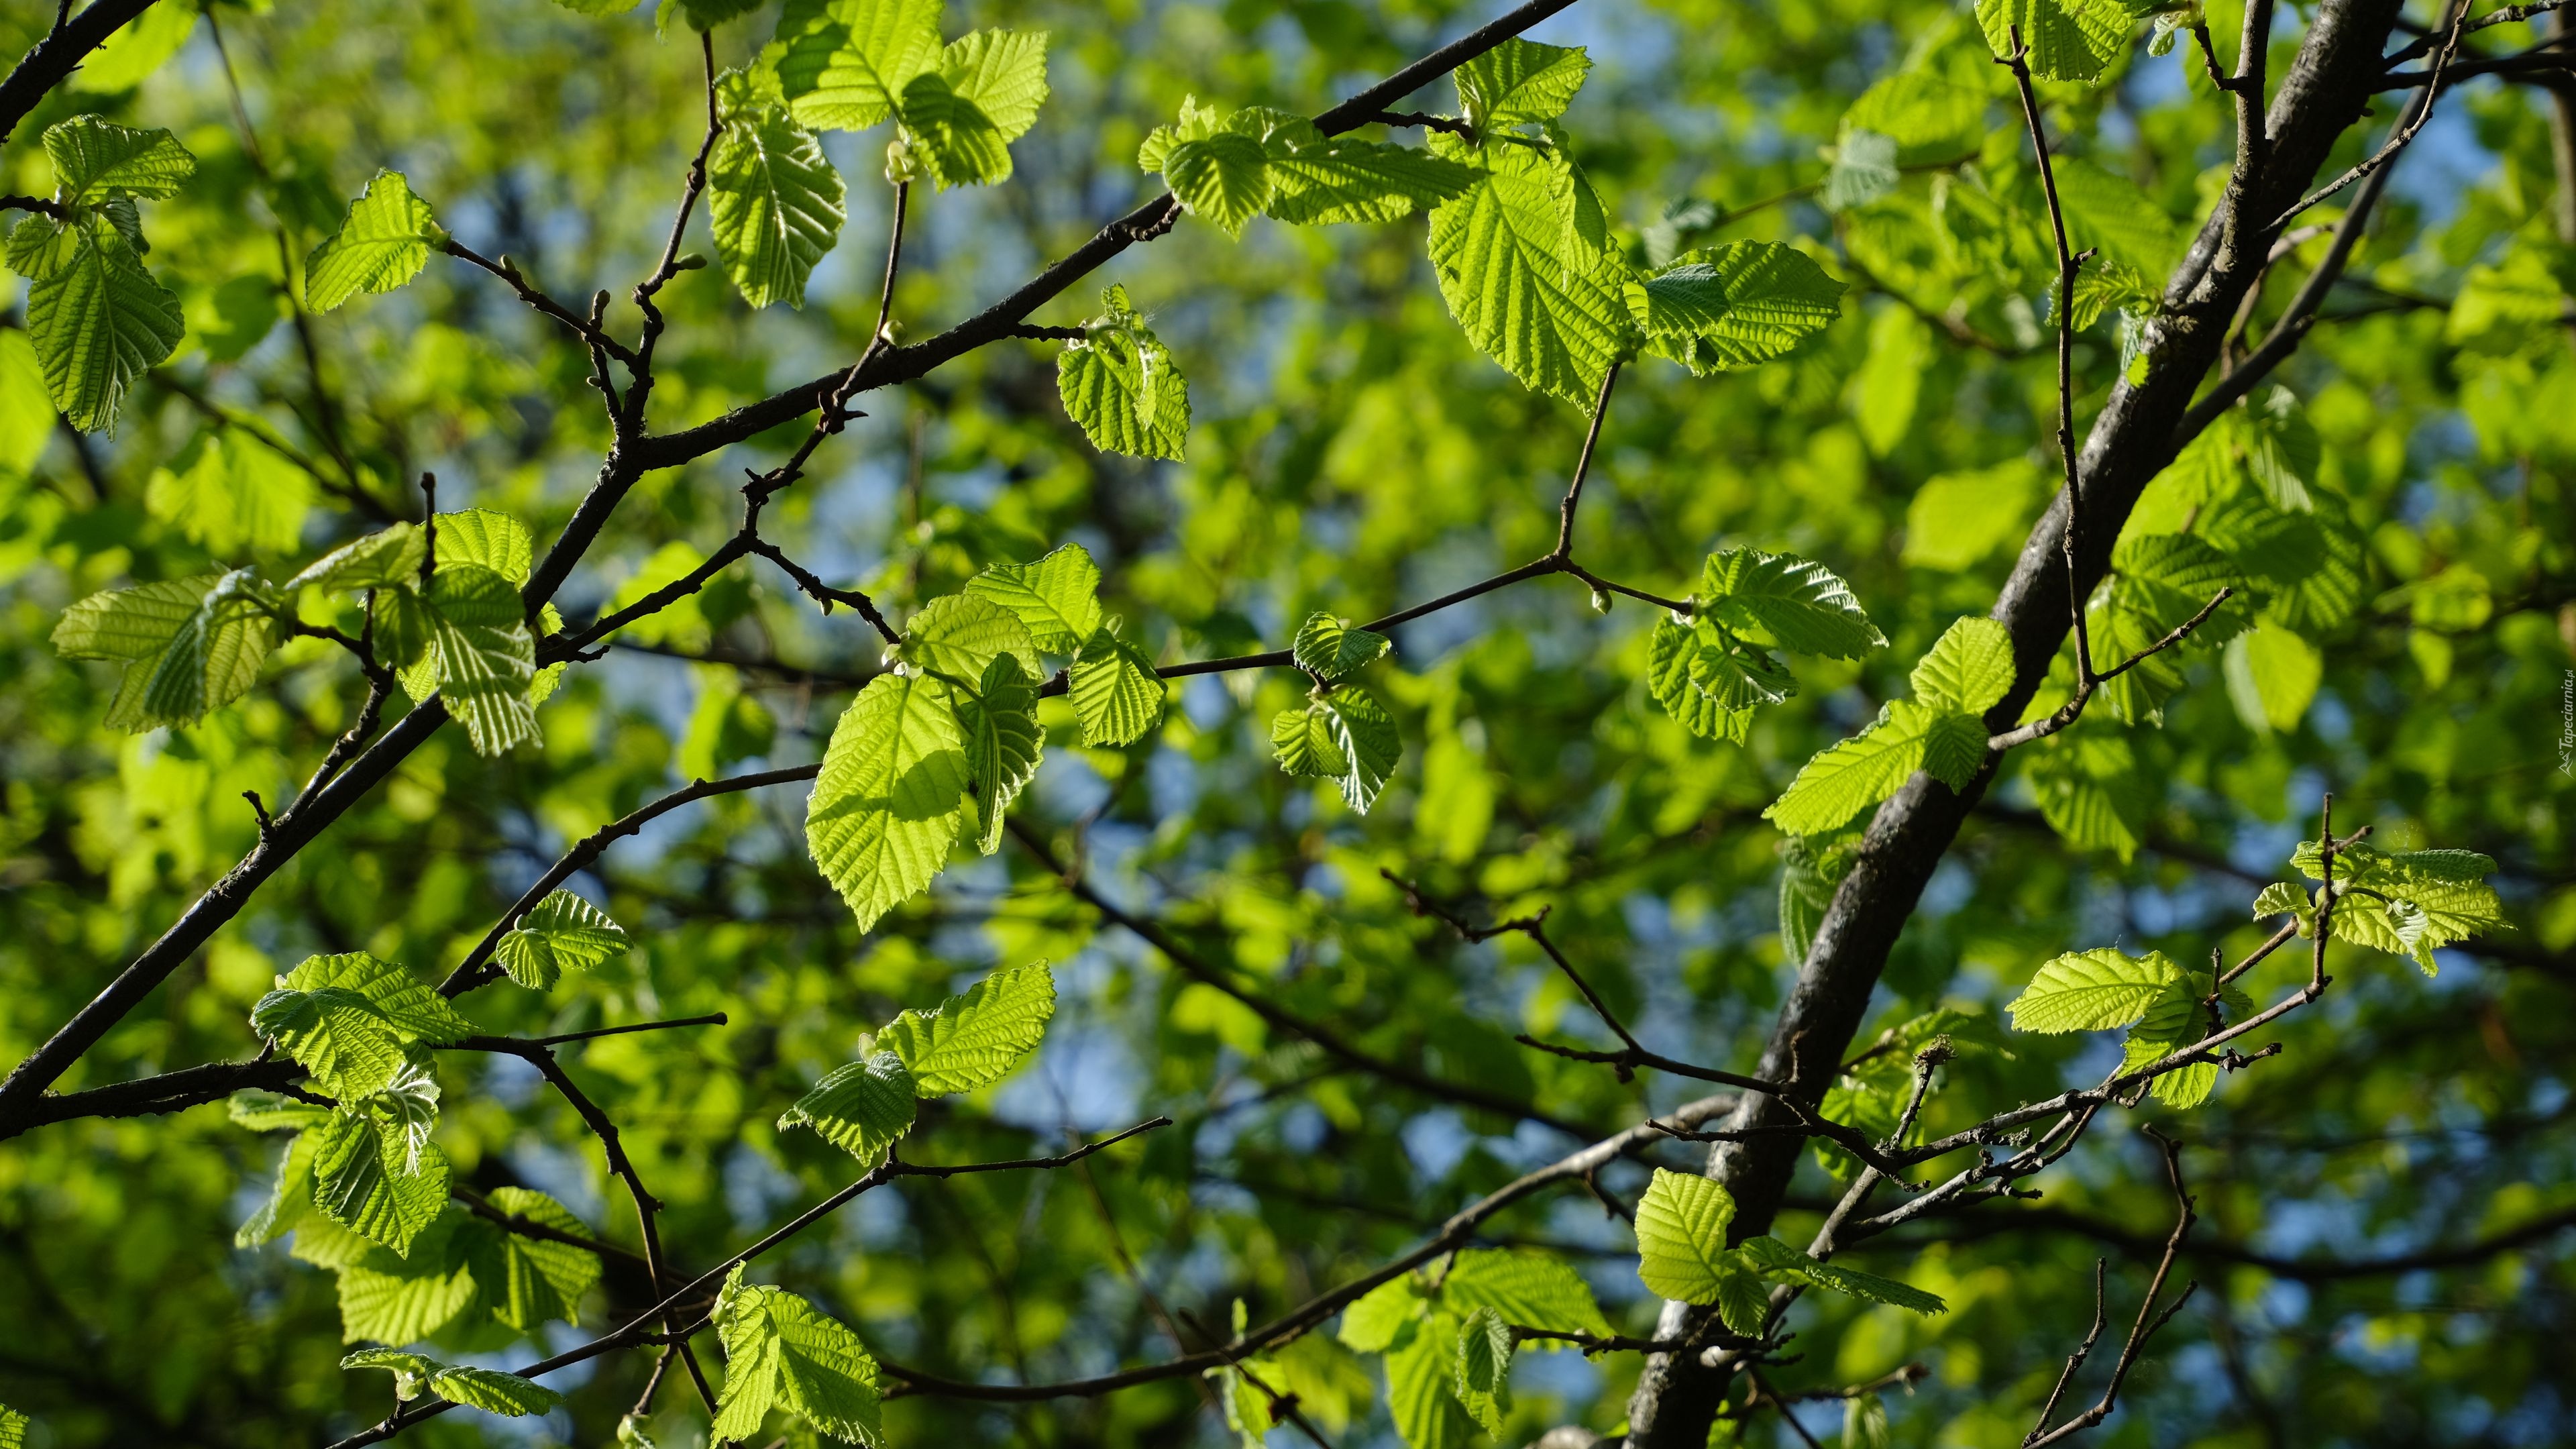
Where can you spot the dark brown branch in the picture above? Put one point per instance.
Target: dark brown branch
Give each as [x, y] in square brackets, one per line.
[583, 329]
[477, 967]
[2149, 1319]
[55, 57]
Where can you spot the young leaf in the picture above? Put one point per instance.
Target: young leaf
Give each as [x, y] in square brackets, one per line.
[411, 1371]
[1681, 1235]
[1499, 253]
[1969, 668]
[363, 1181]
[1531, 1289]
[95, 159]
[1776, 1259]
[2409, 902]
[1224, 178]
[1482, 1370]
[1520, 81]
[292, 1196]
[13, 1428]
[1734, 306]
[1057, 597]
[1328, 648]
[1420, 1382]
[956, 635]
[1791, 603]
[780, 1352]
[339, 1037]
[527, 1281]
[1002, 743]
[862, 1108]
[382, 243]
[845, 63]
[393, 1299]
[1338, 179]
[563, 932]
[481, 655]
[1345, 736]
[1119, 384]
[1709, 680]
[2091, 990]
[1373, 1324]
[2068, 40]
[97, 318]
[773, 200]
[1845, 779]
[974, 1039]
[494, 1391]
[890, 800]
[1116, 693]
[417, 1012]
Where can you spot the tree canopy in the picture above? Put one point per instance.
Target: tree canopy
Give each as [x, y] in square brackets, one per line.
[1293, 721]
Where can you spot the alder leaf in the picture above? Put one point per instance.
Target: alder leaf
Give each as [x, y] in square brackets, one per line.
[1118, 383]
[862, 1108]
[2092, 990]
[1057, 597]
[1498, 251]
[1792, 603]
[844, 63]
[1734, 306]
[1002, 743]
[1681, 1235]
[562, 932]
[494, 1391]
[976, 1038]
[1482, 1371]
[891, 797]
[1709, 680]
[1117, 696]
[1530, 1289]
[97, 317]
[382, 243]
[774, 202]
[955, 636]
[1969, 668]
[1520, 81]
[94, 159]
[1777, 1260]
[1329, 648]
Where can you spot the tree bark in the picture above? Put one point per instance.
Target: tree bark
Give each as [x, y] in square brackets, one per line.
[2325, 92]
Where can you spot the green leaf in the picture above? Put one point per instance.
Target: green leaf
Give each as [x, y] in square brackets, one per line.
[2092, 990]
[1120, 385]
[1003, 73]
[1681, 1235]
[1421, 1399]
[2272, 676]
[1870, 766]
[2091, 792]
[1373, 1324]
[26, 407]
[292, 1196]
[1338, 179]
[1734, 306]
[481, 655]
[1864, 169]
[1530, 1289]
[1500, 254]
[95, 159]
[1482, 1370]
[1329, 648]
[1969, 668]
[526, 1281]
[1520, 81]
[773, 200]
[495, 541]
[1346, 736]
[382, 243]
[976, 1038]
[1224, 178]
[956, 635]
[1057, 597]
[1810, 872]
[1777, 1260]
[135, 623]
[494, 1391]
[411, 1371]
[1917, 108]
[781, 1352]
[98, 319]
[391, 1299]
[862, 1108]
[2407, 903]
[562, 932]
[846, 62]
[2069, 40]
[363, 1182]
[1116, 694]
[133, 53]
[1002, 742]
[337, 1036]
[1792, 603]
[274, 1112]
[417, 1012]
[890, 800]
[1709, 680]
[13, 1428]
